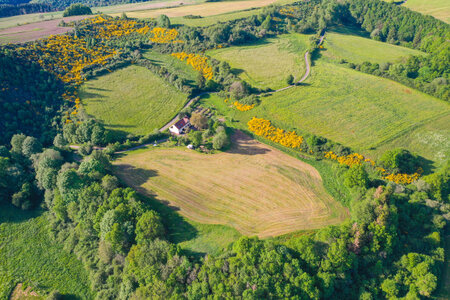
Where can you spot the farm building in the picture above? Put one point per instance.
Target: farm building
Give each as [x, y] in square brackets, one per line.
[180, 126]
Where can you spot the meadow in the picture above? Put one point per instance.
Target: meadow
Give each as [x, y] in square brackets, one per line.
[348, 107]
[202, 9]
[172, 64]
[131, 100]
[252, 187]
[28, 255]
[368, 113]
[349, 44]
[39, 17]
[210, 20]
[267, 64]
[440, 9]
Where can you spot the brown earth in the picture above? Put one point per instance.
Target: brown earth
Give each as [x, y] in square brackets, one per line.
[252, 187]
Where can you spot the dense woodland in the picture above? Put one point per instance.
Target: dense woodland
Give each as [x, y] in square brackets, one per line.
[8, 10]
[21, 7]
[391, 247]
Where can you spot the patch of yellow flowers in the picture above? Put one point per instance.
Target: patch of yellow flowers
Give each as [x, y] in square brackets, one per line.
[265, 129]
[358, 159]
[288, 11]
[108, 27]
[164, 35]
[243, 107]
[198, 62]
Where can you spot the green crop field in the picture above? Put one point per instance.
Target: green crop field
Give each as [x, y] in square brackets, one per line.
[28, 255]
[268, 63]
[131, 100]
[346, 44]
[252, 187]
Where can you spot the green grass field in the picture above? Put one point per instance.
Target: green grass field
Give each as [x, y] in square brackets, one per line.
[358, 110]
[268, 63]
[368, 113]
[210, 20]
[223, 17]
[172, 64]
[348, 44]
[252, 187]
[131, 100]
[202, 9]
[440, 9]
[27, 254]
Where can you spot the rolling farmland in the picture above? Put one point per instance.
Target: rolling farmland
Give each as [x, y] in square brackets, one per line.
[251, 187]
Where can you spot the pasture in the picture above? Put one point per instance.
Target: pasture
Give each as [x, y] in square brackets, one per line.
[348, 44]
[174, 65]
[365, 112]
[30, 27]
[39, 17]
[131, 100]
[202, 9]
[252, 187]
[210, 20]
[27, 254]
[356, 109]
[267, 63]
[440, 9]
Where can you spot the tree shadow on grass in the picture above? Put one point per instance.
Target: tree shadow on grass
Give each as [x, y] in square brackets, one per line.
[178, 229]
[236, 71]
[245, 145]
[87, 95]
[139, 176]
[426, 165]
[315, 55]
[11, 214]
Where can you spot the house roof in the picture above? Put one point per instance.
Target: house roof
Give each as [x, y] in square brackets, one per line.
[182, 123]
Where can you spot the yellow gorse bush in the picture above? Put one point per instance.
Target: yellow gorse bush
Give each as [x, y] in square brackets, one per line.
[290, 139]
[403, 178]
[243, 107]
[164, 35]
[288, 11]
[108, 27]
[265, 129]
[349, 160]
[67, 55]
[198, 62]
[358, 159]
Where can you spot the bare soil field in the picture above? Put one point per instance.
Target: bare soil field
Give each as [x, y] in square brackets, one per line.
[252, 187]
[34, 31]
[204, 9]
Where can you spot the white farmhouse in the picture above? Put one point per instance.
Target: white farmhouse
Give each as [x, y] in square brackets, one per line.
[180, 126]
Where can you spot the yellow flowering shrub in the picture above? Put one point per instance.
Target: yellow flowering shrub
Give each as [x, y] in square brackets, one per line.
[265, 129]
[109, 27]
[358, 159]
[243, 107]
[164, 35]
[288, 11]
[198, 62]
